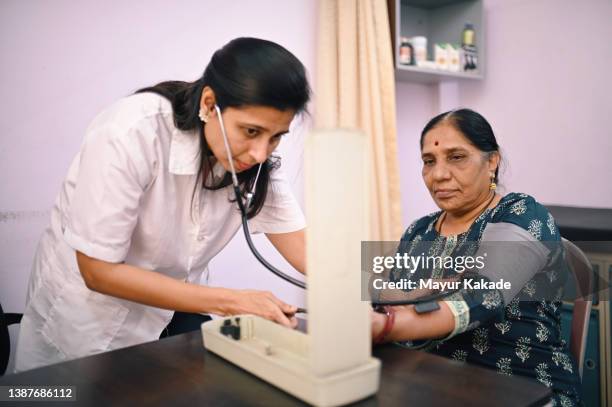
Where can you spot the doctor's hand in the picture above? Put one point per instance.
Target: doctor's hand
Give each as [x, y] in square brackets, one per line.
[263, 304]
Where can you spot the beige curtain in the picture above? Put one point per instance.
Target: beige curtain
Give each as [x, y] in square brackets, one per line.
[355, 88]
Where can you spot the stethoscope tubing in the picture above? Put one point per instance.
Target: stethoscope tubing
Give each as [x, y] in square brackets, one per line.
[245, 227]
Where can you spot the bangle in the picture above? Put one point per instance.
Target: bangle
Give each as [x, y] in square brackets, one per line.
[390, 313]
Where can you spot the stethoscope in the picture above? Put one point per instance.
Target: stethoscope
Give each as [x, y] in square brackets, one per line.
[244, 208]
[425, 302]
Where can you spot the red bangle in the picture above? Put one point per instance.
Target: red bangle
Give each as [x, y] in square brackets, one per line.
[390, 313]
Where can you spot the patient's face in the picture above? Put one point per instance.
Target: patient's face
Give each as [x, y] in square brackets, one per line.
[456, 173]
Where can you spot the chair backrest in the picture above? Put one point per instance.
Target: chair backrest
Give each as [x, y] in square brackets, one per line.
[5, 342]
[5, 339]
[583, 276]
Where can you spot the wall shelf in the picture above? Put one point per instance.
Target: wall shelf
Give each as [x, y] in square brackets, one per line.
[439, 21]
[411, 73]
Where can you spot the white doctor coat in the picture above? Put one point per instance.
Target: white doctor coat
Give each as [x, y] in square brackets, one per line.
[128, 197]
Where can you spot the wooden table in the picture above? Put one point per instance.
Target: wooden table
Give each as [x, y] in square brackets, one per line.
[178, 371]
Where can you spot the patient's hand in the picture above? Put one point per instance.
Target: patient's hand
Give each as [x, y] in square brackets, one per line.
[378, 323]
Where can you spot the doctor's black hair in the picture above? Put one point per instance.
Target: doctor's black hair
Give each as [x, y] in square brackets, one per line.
[473, 126]
[244, 72]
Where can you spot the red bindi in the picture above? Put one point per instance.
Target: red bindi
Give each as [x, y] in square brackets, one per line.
[436, 143]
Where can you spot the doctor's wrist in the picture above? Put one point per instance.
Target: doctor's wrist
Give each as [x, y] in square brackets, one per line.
[218, 301]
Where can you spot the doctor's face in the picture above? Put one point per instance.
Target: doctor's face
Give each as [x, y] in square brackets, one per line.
[456, 173]
[253, 133]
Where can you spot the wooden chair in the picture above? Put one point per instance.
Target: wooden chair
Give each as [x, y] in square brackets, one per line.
[583, 276]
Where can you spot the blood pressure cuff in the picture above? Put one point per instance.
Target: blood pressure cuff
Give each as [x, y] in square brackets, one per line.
[508, 265]
[517, 268]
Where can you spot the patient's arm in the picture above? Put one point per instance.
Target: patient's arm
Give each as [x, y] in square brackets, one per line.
[412, 326]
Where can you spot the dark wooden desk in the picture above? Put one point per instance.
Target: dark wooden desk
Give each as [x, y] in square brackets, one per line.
[178, 371]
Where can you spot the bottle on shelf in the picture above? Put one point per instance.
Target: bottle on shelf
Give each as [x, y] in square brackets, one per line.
[419, 45]
[406, 52]
[467, 38]
[453, 58]
[441, 55]
[468, 48]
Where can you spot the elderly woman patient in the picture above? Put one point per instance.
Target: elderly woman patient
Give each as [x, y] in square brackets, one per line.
[514, 331]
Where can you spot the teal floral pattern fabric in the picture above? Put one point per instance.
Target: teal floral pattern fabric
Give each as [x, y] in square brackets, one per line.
[521, 337]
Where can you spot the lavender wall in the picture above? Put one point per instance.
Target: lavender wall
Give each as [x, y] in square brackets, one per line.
[64, 60]
[549, 97]
[415, 105]
[547, 94]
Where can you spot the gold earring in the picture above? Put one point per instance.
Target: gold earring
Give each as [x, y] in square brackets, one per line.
[492, 185]
[204, 115]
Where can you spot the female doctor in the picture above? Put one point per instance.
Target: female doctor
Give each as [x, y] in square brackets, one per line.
[148, 202]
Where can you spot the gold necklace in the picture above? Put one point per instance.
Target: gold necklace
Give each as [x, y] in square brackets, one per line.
[476, 217]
